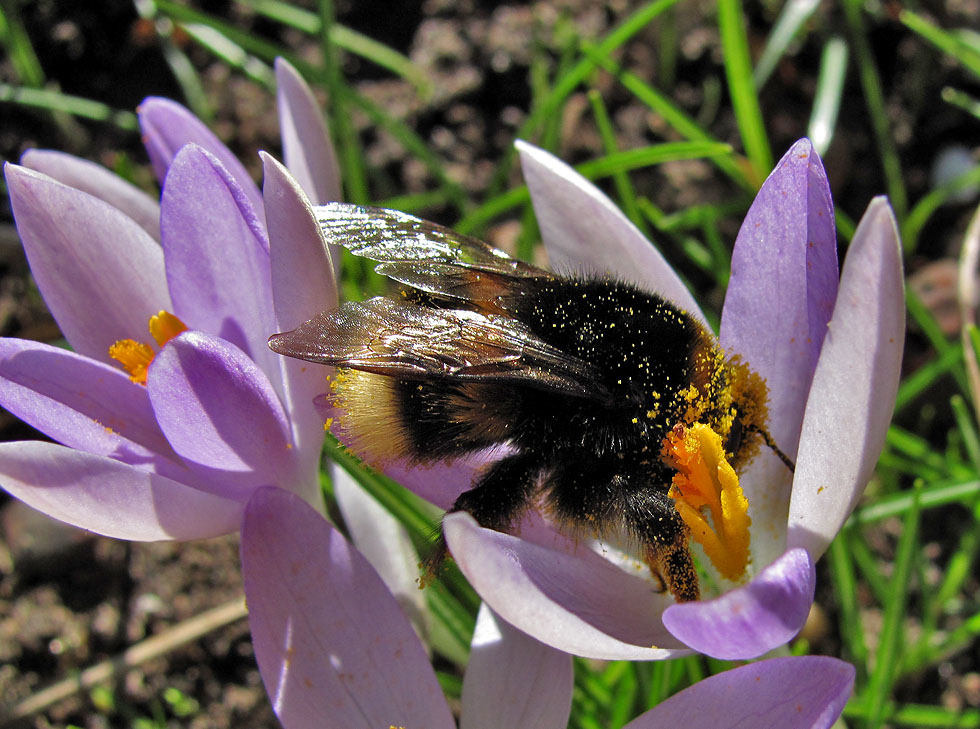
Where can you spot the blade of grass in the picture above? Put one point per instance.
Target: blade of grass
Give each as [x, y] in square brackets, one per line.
[899, 504]
[830, 90]
[566, 83]
[737, 168]
[962, 100]
[920, 716]
[20, 52]
[231, 53]
[924, 377]
[621, 180]
[596, 169]
[56, 101]
[347, 39]
[875, 101]
[792, 18]
[845, 587]
[888, 654]
[931, 202]
[945, 41]
[742, 89]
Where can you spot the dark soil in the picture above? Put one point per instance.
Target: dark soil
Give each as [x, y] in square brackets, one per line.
[69, 600]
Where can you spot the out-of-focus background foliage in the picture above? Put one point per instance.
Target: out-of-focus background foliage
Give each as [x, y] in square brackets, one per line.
[425, 100]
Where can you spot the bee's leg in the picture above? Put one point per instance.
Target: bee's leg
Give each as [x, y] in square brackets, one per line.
[500, 495]
[651, 516]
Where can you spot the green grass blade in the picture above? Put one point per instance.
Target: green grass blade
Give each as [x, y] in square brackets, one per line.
[792, 18]
[949, 43]
[55, 101]
[931, 202]
[962, 100]
[742, 89]
[830, 91]
[20, 52]
[875, 101]
[845, 586]
[951, 492]
[889, 641]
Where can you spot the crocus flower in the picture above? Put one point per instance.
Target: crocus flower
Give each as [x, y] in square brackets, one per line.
[173, 443]
[339, 652]
[829, 351]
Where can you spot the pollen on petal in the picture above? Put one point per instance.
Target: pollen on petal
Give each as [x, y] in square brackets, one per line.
[707, 485]
[134, 356]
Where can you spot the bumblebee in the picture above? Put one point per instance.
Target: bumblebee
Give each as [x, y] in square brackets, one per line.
[596, 386]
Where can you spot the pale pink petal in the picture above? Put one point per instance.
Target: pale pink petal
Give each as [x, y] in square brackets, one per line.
[167, 127]
[99, 182]
[579, 603]
[781, 294]
[854, 387]
[221, 415]
[306, 145]
[751, 620]
[332, 645]
[83, 404]
[807, 692]
[100, 273]
[584, 231]
[109, 497]
[513, 681]
[303, 285]
[217, 257]
[383, 541]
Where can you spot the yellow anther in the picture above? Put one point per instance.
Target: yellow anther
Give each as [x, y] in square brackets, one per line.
[135, 357]
[164, 326]
[707, 485]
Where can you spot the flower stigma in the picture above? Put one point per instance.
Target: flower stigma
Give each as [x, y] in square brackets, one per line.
[136, 356]
[706, 482]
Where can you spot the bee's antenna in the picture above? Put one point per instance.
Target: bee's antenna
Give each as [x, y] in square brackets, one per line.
[772, 445]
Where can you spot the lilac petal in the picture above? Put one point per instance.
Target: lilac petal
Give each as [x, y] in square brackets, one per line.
[83, 404]
[306, 145]
[111, 498]
[579, 603]
[513, 680]
[751, 620]
[167, 126]
[217, 256]
[854, 387]
[782, 292]
[584, 231]
[806, 692]
[303, 285]
[383, 540]
[332, 646]
[440, 483]
[99, 182]
[221, 415]
[100, 273]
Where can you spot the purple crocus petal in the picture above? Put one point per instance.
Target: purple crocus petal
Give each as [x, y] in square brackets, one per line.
[806, 692]
[440, 483]
[99, 182]
[751, 620]
[584, 231]
[220, 414]
[82, 404]
[579, 603]
[167, 126]
[303, 285]
[100, 273]
[854, 387]
[306, 145]
[512, 680]
[217, 257]
[383, 541]
[332, 646]
[781, 294]
[112, 498]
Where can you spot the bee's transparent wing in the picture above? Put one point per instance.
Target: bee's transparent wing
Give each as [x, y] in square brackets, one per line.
[406, 340]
